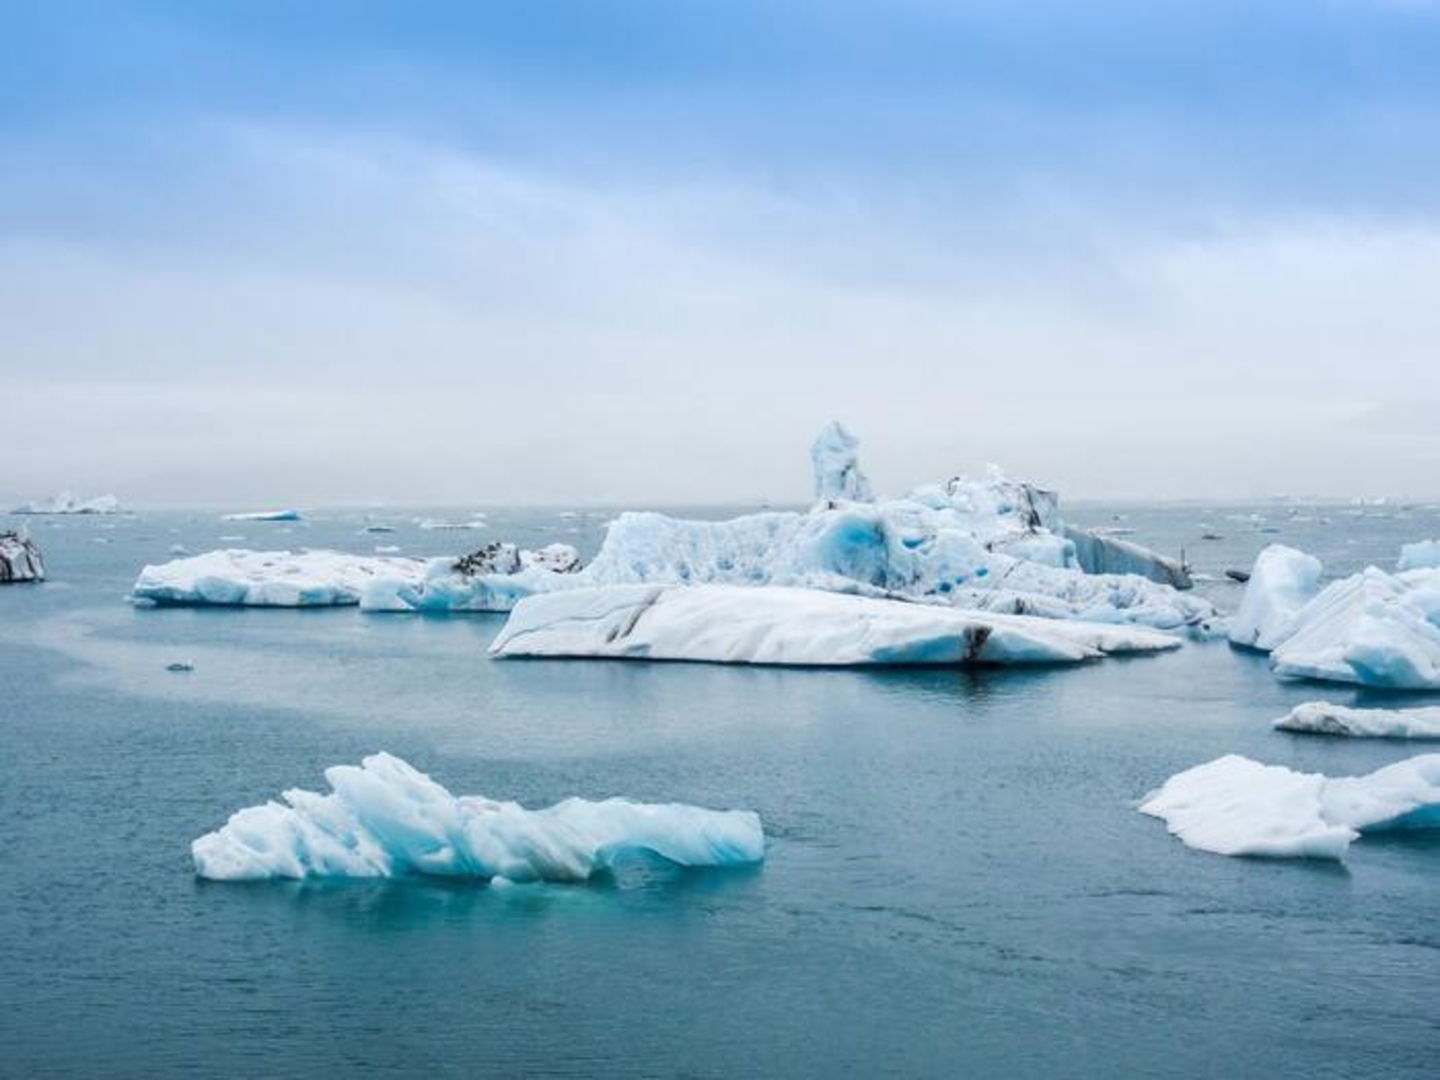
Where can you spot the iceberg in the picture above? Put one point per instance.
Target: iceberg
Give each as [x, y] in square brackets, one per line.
[778, 625]
[1372, 628]
[66, 503]
[264, 515]
[834, 457]
[386, 819]
[19, 558]
[1322, 718]
[240, 578]
[491, 579]
[1282, 582]
[494, 578]
[1236, 806]
[1422, 555]
[1100, 552]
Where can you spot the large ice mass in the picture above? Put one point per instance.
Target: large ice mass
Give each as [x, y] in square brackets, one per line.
[1236, 806]
[19, 558]
[1282, 582]
[1323, 718]
[386, 819]
[779, 625]
[66, 503]
[1372, 628]
[990, 544]
[237, 577]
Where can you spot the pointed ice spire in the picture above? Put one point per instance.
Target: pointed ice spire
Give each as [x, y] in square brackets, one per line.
[835, 458]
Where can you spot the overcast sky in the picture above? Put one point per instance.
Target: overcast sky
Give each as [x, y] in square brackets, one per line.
[639, 252]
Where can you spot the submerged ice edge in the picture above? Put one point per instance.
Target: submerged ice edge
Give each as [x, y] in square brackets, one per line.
[385, 819]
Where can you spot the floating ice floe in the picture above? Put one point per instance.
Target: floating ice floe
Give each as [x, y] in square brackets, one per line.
[1322, 718]
[240, 578]
[1236, 806]
[386, 819]
[66, 503]
[264, 515]
[19, 558]
[779, 625]
[1372, 628]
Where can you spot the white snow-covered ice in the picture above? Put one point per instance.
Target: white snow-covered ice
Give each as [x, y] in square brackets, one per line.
[1236, 806]
[386, 819]
[237, 577]
[780, 625]
[66, 503]
[1371, 628]
[1323, 718]
[494, 578]
[1282, 582]
[835, 461]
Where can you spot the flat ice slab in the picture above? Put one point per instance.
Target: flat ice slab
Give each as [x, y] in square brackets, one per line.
[1236, 806]
[387, 819]
[236, 577]
[1322, 718]
[737, 624]
[264, 515]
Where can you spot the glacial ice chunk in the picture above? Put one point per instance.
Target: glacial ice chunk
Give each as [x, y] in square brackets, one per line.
[19, 557]
[1323, 718]
[779, 625]
[236, 577]
[386, 819]
[834, 456]
[1422, 555]
[1282, 582]
[493, 578]
[1098, 553]
[1236, 806]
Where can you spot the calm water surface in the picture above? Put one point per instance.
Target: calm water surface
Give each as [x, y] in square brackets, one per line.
[957, 883]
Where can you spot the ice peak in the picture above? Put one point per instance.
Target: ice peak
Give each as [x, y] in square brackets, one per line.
[834, 455]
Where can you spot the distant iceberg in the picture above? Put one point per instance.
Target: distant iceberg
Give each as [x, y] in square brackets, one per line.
[19, 558]
[265, 515]
[1236, 806]
[66, 503]
[778, 625]
[386, 819]
[1372, 628]
[1322, 718]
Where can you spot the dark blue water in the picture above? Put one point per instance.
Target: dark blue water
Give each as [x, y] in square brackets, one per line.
[957, 882]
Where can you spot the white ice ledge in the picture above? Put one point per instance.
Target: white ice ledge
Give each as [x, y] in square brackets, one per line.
[1322, 718]
[386, 819]
[778, 625]
[1236, 806]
